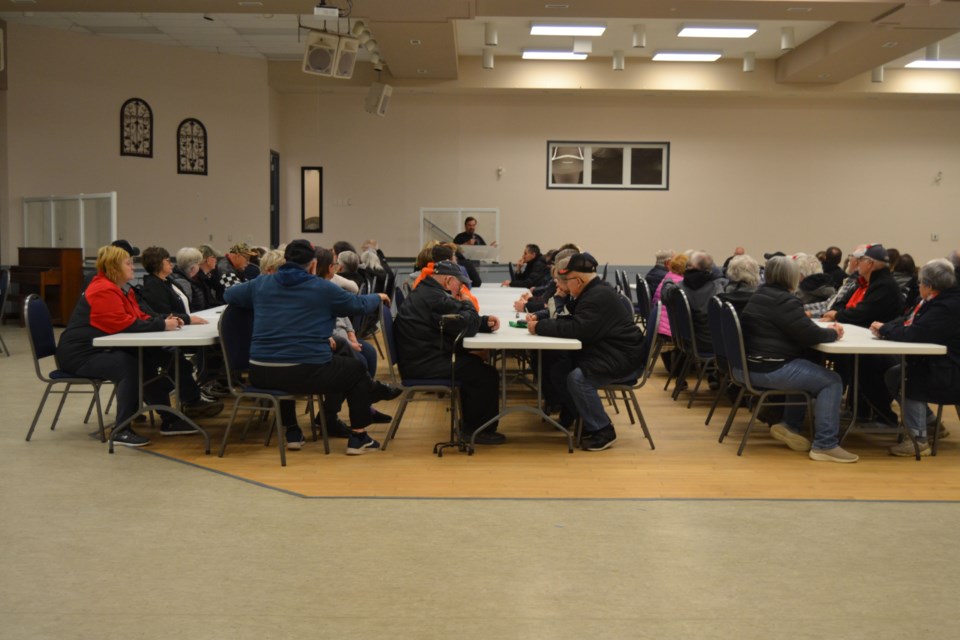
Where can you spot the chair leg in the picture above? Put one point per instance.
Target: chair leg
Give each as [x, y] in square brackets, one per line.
[96, 398]
[36, 416]
[640, 418]
[4, 344]
[733, 414]
[612, 400]
[724, 383]
[63, 399]
[682, 376]
[936, 430]
[226, 432]
[397, 416]
[627, 405]
[701, 372]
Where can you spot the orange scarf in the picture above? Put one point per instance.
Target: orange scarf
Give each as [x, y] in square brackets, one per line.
[464, 289]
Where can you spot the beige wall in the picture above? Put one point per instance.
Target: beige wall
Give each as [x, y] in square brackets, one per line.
[767, 173]
[62, 126]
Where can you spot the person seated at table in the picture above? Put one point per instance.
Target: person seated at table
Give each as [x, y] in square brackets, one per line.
[444, 253]
[743, 275]
[777, 335]
[701, 281]
[294, 314]
[815, 285]
[611, 348]
[271, 261]
[536, 299]
[422, 355]
[739, 251]
[349, 267]
[831, 266]
[933, 379]
[904, 271]
[159, 292]
[232, 268]
[846, 286]
[185, 277]
[105, 309]
[531, 270]
[556, 363]
[372, 268]
[661, 267]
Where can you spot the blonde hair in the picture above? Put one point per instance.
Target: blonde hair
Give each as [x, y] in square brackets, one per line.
[110, 262]
[271, 261]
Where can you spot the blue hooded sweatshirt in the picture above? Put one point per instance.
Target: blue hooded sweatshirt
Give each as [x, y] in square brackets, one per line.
[294, 312]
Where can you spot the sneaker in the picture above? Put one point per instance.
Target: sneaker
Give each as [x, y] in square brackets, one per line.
[295, 439]
[177, 428]
[599, 440]
[379, 418]
[216, 389]
[835, 454]
[905, 448]
[383, 391]
[361, 443]
[789, 437]
[485, 437]
[203, 407]
[129, 438]
[336, 428]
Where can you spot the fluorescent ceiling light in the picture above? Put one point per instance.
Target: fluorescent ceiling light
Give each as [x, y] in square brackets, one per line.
[716, 32]
[590, 30]
[934, 64]
[529, 54]
[687, 56]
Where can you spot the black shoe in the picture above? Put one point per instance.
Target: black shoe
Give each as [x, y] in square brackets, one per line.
[129, 438]
[202, 408]
[177, 428]
[485, 437]
[336, 428]
[377, 417]
[599, 440]
[295, 439]
[383, 391]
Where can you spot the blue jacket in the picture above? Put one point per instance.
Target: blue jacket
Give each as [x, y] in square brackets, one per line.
[294, 313]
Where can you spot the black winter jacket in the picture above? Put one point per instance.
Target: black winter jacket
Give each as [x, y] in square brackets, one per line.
[417, 328]
[700, 286]
[612, 344]
[654, 277]
[159, 298]
[535, 273]
[816, 287]
[776, 330]
[882, 301]
[932, 378]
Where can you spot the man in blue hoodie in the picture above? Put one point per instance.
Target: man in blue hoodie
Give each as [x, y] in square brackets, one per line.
[294, 315]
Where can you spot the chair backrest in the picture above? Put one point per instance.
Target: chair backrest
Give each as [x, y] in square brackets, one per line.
[390, 284]
[714, 309]
[386, 328]
[643, 296]
[732, 337]
[653, 323]
[4, 287]
[603, 276]
[625, 301]
[398, 298]
[678, 312]
[39, 328]
[236, 333]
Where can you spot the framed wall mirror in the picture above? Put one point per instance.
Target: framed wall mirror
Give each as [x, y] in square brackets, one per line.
[311, 199]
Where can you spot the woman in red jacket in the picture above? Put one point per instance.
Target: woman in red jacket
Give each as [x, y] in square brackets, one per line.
[106, 308]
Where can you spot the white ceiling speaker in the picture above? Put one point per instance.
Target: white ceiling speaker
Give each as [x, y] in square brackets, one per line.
[787, 39]
[749, 61]
[321, 53]
[346, 58]
[378, 99]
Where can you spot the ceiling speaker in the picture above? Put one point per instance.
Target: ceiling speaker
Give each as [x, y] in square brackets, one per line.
[378, 98]
[321, 54]
[346, 58]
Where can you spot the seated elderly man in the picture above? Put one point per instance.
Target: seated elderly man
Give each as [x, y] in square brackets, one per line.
[423, 355]
[232, 268]
[532, 269]
[815, 285]
[655, 276]
[743, 273]
[929, 378]
[612, 347]
[848, 283]
[700, 283]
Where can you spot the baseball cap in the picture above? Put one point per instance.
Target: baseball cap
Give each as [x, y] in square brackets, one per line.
[126, 246]
[877, 253]
[580, 263]
[447, 268]
[860, 251]
[300, 252]
[242, 248]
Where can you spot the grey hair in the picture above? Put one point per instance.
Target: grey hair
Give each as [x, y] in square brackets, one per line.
[663, 255]
[701, 260]
[188, 257]
[783, 272]
[349, 261]
[744, 269]
[808, 264]
[370, 260]
[271, 261]
[938, 274]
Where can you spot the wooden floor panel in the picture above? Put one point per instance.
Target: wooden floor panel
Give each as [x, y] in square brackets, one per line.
[687, 463]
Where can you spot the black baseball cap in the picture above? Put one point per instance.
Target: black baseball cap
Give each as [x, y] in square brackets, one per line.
[447, 268]
[300, 252]
[126, 246]
[580, 263]
[877, 253]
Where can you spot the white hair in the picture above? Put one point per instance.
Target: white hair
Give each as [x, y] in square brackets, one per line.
[807, 264]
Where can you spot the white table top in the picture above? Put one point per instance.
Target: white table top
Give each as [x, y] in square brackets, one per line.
[498, 301]
[859, 340]
[190, 335]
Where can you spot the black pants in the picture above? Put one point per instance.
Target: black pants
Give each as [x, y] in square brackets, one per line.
[873, 388]
[479, 392]
[338, 379]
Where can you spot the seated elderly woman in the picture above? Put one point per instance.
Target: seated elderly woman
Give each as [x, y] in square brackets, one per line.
[186, 276]
[349, 267]
[743, 272]
[929, 378]
[676, 265]
[104, 309]
[776, 335]
[271, 261]
[815, 285]
[160, 292]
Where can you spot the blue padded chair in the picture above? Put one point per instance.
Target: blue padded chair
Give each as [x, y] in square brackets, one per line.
[643, 300]
[411, 386]
[681, 325]
[4, 287]
[43, 344]
[236, 332]
[714, 312]
[398, 298]
[628, 390]
[740, 374]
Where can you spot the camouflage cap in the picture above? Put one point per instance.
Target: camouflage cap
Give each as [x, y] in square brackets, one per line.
[243, 249]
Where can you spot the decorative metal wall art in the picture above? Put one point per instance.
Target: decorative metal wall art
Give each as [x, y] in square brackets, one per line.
[136, 128]
[192, 147]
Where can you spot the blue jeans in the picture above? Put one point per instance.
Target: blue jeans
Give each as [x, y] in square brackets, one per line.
[915, 413]
[824, 385]
[583, 391]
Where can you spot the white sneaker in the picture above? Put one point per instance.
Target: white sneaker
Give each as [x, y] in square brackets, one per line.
[835, 454]
[905, 448]
[789, 437]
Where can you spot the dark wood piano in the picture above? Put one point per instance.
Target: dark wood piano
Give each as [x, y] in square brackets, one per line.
[55, 274]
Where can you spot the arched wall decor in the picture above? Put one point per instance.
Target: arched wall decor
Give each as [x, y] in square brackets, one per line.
[192, 147]
[136, 128]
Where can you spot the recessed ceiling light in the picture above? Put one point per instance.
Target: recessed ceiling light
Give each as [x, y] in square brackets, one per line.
[934, 64]
[545, 29]
[687, 56]
[695, 31]
[540, 54]
[416, 42]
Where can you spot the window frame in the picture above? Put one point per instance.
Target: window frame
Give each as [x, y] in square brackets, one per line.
[586, 148]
